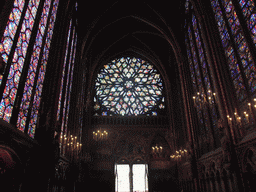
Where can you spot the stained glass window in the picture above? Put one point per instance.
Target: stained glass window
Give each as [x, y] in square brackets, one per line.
[241, 65]
[128, 86]
[10, 30]
[42, 71]
[248, 7]
[204, 97]
[12, 83]
[63, 71]
[36, 67]
[32, 69]
[67, 79]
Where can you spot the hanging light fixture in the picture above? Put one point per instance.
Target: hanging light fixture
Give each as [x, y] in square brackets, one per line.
[179, 154]
[100, 135]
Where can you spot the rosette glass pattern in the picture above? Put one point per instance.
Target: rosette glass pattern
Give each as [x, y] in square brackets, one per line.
[128, 86]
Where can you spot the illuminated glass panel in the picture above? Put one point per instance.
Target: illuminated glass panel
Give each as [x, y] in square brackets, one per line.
[140, 178]
[24, 107]
[68, 96]
[42, 71]
[128, 86]
[67, 78]
[240, 53]
[11, 87]
[197, 79]
[248, 7]
[10, 30]
[205, 72]
[186, 6]
[202, 83]
[63, 72]
[122, 178]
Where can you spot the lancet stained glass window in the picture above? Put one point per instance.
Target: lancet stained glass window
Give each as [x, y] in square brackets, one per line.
[67, 78]
[30, 100]
[248, 10]
[12, 83]
[204, 97]
[10, 30]
[41, 72]
[241, 65]
[128, 86]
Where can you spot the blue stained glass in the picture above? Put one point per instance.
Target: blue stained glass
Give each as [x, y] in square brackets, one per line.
[239, 40]
[242, 2]
[137, 90]
[40, 80]
[20, 51]
[24, 107]
[248, 8]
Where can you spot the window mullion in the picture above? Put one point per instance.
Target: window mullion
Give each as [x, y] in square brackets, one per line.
[19, 61]
[233, 44]
[10, 56]
[209, 109]
[5, 10]
[26, 64]
[38, 67]
[190, 40]
[228, 78]
[205, 114]
[64, 78]
[69, 88]
[65, 88]
[64, 73]
[245, 30]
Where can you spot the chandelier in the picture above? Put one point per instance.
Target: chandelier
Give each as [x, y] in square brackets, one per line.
[179, 154]
[157, 151]
[70, 146]
[100, 135]
[202, 99]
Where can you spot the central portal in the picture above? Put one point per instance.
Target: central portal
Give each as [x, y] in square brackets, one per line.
[131, 178]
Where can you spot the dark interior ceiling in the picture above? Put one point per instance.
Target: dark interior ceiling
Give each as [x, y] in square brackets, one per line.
[152, 30]
[149, 29]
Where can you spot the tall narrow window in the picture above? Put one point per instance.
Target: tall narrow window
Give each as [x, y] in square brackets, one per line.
[204, 95]
[67, 79]
[140, 177]
[41, 70]
[241, 65]
[10, 30]
[12, 82]
[31, 64]
[248, 10]
[122, 178]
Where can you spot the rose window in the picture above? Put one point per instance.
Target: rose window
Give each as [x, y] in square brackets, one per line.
[128, 86]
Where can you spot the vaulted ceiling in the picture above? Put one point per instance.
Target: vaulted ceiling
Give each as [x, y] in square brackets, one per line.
[150, 29]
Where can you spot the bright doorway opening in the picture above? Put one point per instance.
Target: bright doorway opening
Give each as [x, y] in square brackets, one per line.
[131, 178]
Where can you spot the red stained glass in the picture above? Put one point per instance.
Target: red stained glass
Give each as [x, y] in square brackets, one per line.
[235, 27]
[40, 80]
[10, 30]
[136, 91]
[33, 66]
[20, 51]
